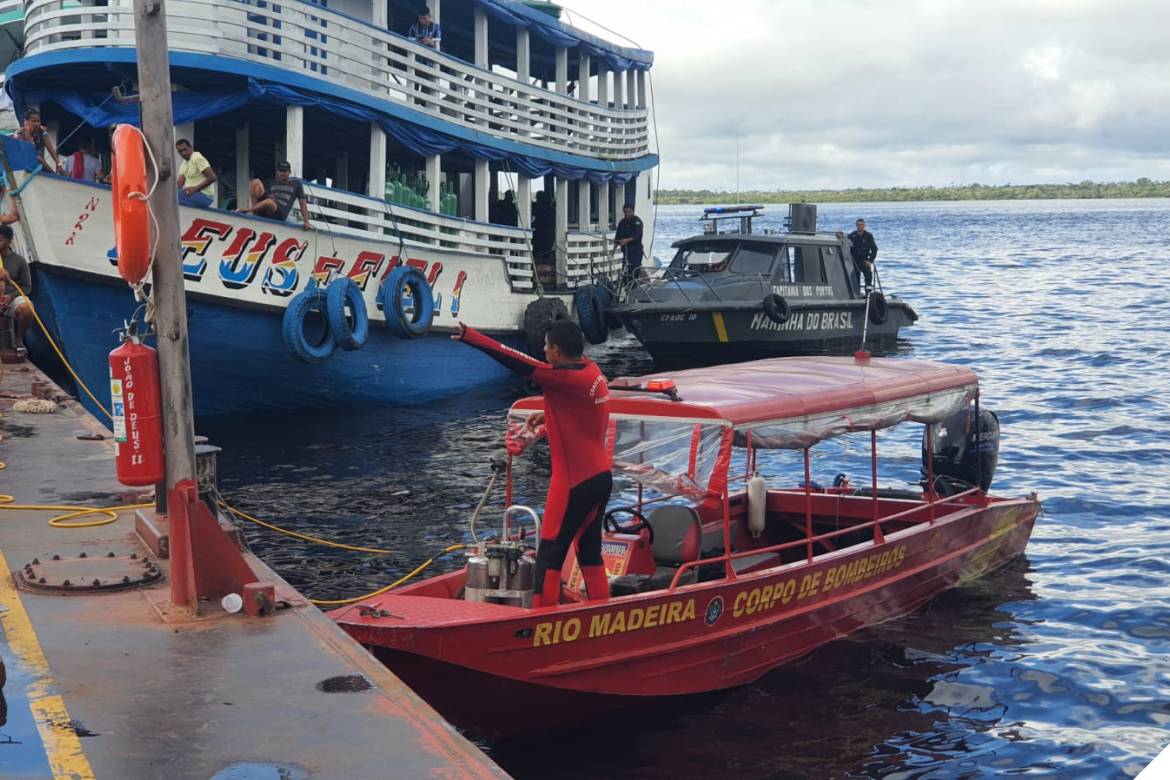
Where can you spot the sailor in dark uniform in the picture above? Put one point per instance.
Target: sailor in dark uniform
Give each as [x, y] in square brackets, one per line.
[629, 238]
[864, 251]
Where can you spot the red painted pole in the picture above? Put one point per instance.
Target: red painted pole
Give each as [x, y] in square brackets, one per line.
[808, 529]
[878, 536]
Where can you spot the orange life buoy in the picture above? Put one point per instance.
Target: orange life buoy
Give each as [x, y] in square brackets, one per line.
[131, 216]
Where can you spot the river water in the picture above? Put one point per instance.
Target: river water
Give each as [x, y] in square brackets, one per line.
[1057, 665]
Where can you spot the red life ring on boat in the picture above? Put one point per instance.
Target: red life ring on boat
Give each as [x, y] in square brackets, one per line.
[131, 215]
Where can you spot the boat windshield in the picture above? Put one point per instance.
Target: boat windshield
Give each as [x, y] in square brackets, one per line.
[707, 257]
[674, 457]
[746, 257]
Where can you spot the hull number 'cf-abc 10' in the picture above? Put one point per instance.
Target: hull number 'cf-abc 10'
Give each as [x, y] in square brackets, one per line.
[749, 601]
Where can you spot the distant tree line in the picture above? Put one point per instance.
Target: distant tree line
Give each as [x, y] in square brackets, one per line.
[1142, 188]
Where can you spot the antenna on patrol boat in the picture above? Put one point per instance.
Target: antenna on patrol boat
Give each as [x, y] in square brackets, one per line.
[737, 165]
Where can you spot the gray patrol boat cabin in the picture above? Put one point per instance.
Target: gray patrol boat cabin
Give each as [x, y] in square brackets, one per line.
[733, 294]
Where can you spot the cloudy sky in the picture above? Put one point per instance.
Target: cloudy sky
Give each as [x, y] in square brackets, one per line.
[849, 93]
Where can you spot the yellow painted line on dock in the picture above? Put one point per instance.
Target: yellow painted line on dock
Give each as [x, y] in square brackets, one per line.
[62, 746]
[720, 327]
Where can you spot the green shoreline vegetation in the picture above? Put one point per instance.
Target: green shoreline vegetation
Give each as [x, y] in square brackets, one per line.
[1142, 188]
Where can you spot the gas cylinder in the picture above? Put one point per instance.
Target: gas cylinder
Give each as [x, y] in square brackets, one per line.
[757, 498]
[135, 405]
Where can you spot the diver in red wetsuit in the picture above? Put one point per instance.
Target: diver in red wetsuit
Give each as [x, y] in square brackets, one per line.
[576, 414]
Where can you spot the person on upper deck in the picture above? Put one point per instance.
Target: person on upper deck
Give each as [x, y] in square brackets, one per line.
[864, 251]
[425, 31]
[196, 177]
[13, 300]
[629, 238]
[275, 198]
[34, 132]
[576, 416]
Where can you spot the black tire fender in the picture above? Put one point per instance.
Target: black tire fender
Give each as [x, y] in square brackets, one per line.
[777, 308]
[590, 309]
[879, 310]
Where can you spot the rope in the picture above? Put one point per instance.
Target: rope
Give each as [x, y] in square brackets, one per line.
[64, 360]
[418, 570]
[536, 285]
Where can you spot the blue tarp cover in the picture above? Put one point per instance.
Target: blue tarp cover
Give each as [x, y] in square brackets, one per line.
[100, 111]
[554, 33]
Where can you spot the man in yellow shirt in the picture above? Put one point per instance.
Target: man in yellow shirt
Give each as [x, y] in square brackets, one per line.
[196, 178]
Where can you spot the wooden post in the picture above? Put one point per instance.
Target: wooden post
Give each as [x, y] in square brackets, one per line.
[482, 176]
[562, 228]
[243, 166]
[562, 70]
[376, 184]
[170, 319]
[524, 200]
[435, 182]
[480, 35]
[294, 139]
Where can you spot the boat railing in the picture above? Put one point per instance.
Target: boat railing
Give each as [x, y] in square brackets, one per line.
[12, 11]
[343, 51]
[927, 507]
[360, 216]
[590, 255]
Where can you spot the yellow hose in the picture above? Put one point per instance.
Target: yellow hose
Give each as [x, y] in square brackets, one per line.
[305, 537]
[71, 513]
[422, 567]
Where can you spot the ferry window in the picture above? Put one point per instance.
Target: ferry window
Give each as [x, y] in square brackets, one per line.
[754, 259]
[808, 268]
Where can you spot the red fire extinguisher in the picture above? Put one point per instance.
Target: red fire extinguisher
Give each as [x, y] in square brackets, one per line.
[136, 401]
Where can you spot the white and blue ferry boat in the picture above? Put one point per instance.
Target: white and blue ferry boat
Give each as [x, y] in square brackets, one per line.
[404, 151]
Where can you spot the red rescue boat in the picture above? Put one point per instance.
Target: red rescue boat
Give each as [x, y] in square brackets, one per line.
[716, 578]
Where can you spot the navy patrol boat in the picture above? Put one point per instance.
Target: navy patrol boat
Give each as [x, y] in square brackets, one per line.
[732, 294]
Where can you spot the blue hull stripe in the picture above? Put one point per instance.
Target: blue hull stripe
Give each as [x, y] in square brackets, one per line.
[239, 362]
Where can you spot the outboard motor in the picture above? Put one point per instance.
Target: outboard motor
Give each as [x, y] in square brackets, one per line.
[963, 459]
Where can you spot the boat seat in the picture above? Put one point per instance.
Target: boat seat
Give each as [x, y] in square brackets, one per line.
[678, 536]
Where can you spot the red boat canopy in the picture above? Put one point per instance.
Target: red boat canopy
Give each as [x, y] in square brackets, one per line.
[795, 402]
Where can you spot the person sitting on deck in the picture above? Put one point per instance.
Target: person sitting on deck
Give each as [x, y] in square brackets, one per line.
[576, 416]
[34, 132]
[13, 303]
[275, 198]
[196, 177]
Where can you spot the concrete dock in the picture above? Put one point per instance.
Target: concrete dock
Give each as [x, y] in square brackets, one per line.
[120, 684]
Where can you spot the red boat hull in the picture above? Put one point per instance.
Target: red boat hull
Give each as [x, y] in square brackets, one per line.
[506, 670]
